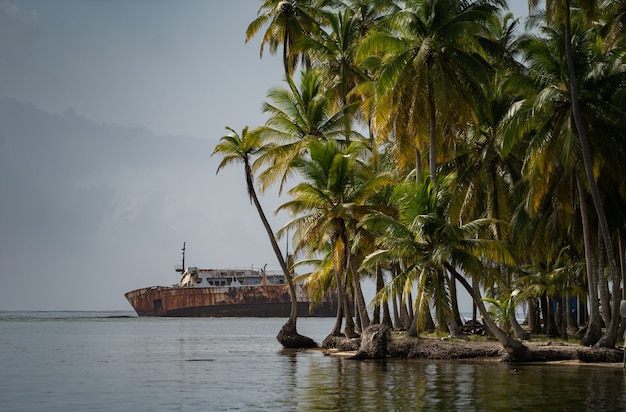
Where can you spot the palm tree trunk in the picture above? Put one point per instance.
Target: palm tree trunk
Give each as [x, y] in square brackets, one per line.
[432, 131]
[345, 269]
[288, 335]
[603, 285]
[513, 347]
[610, 335]
[358, 291]
[454, 301]
[380, 283]
[518, 331]
[396, 314]
[339, 318]
[418, 164]
[622, 261]
[570, 322]
[349, 328]
[594, 329]
[386, 320]
[545, 314]
[534, 320]
[560, 317]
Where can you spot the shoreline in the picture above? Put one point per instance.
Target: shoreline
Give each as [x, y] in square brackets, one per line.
[401, 347]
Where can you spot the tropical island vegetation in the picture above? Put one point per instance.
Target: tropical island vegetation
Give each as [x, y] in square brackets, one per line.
[432, 144]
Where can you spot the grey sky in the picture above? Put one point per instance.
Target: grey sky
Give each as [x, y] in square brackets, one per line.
[109, 111]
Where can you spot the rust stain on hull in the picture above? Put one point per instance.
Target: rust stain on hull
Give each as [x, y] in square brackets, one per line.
[253, 301]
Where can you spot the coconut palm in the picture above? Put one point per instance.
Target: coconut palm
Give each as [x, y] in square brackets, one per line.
[287, 21]
[241, 148]
[555, 151]
[297, 116]
[487, 161]
[614, 16]
[502, 310]
[327, 204]
[333, 53]
[488, 173]
[423, 240]
[333, 48]
[554, 280]
[430, 63]
[560, 10]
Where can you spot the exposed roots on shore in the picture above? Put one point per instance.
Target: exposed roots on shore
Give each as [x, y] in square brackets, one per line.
[291, 339]
[341, 343]
[420, 348]
[401, 346]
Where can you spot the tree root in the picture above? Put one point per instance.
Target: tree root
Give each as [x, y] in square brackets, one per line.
[291, 339]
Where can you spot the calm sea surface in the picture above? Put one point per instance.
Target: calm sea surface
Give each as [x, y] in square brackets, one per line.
[114, 361]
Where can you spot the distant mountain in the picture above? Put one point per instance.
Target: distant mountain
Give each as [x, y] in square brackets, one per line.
[65, 168]
[85, 200]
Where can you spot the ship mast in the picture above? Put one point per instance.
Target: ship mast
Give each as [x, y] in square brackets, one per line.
[181, 268]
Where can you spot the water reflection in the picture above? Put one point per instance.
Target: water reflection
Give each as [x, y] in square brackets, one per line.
[330, 383]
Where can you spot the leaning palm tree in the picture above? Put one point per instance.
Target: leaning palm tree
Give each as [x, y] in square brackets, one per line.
[555, 152]
[560, 10]
[242, 147]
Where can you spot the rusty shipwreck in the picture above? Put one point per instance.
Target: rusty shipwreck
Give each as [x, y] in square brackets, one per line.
[225, 292]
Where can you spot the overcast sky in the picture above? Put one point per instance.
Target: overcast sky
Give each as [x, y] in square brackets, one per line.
[82, 222]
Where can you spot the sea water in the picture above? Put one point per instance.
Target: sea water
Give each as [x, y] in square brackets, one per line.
[115, 361]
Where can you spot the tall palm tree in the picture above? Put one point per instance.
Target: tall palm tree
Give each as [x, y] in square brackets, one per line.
[561, 9]
[241, 148]
[486, 163]
[614, 16]
[431, 62]
[332, 51]
[553, 281]
[550, 112]
[333, 48]
[488, 173]
[328, 203]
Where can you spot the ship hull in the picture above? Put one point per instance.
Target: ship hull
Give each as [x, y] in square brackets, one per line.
[253, 301]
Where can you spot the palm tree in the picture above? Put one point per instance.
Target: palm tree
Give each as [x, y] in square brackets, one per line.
[614, 29]
[560, 9]
[298, 115]
[555, 151]
[242, 147]
[425, 242]
[333, 53]
[487, 161]
[430, 53]
[328, 203]
[502, 310]
[287, 21]
[333, 48]
[553, 281]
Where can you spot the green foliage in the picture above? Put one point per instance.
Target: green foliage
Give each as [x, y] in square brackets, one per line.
[488, 110]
